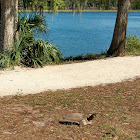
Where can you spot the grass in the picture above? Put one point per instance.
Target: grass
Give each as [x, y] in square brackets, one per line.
[37, 116]
[132, 48]
[133, 45]
[80, 58]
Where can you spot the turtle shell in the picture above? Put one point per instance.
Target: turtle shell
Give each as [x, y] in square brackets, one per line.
[75, 118]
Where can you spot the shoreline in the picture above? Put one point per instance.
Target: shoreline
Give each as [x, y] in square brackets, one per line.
[83, 11]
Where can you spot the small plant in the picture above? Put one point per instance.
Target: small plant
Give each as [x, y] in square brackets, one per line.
[5, 59]
[133, 44]
[40, 53]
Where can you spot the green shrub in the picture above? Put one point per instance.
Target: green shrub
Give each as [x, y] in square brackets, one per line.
[40, 53]
[38, 23]
[85, 57]
[26, 50]
[5, 59]
[34, 53]
[132, 44]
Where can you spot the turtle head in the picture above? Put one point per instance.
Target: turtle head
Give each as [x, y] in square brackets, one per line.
[91, 117]
[87, 121]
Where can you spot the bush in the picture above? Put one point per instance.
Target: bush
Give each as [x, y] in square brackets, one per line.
[40, 53]
[26, 50]
[132, 44]
[5, 59]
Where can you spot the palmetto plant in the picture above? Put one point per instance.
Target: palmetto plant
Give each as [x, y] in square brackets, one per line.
[38, 23]
[26, 50]
[40, 53]
[33, 52]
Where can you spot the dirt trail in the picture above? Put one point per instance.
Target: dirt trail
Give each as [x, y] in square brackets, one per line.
[91, 73]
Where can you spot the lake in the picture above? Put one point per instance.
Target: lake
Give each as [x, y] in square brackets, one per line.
[88, 33]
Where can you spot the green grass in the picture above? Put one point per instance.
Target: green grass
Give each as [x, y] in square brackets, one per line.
[133, 45]
[134, 10]
[86, 57]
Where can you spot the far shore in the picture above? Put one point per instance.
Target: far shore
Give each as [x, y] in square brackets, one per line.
[66, 11]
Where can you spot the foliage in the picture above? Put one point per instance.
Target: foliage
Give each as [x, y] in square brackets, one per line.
[133, 44]
[5, 59]
[40, 53]
[55, 5]
[97, 4]
[136, 5]
[85, 57]
[26, 50]
[51, 5]
[34, 52]
[38, 23]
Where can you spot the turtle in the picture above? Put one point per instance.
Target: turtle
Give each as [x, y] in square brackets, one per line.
[77, 119]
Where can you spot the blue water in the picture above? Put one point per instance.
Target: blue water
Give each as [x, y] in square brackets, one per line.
[88, 33]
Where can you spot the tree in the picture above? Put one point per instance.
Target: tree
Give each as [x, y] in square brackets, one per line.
[136, 4]
[9, 17]
[117, 47]
[9, 14]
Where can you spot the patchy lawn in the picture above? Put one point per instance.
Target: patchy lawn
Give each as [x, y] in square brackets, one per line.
[36, 117]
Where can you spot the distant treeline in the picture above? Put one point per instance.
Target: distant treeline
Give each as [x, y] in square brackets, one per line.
[99, 4]
[92, 4]
[74, 4]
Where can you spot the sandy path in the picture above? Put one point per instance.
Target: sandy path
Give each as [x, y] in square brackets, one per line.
[91, 73]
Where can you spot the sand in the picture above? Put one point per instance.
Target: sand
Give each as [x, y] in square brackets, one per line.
[21, 81]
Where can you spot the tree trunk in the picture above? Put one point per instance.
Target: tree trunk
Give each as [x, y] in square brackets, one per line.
[9, 16]
[118, 44]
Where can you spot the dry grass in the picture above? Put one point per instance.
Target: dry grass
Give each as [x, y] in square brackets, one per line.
[36, 116]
